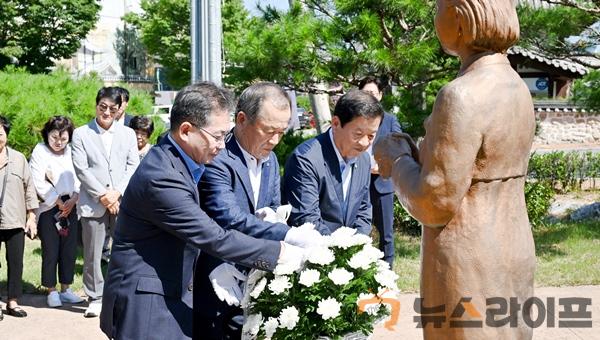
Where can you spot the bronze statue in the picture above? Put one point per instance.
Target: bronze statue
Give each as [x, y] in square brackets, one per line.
[465, 183]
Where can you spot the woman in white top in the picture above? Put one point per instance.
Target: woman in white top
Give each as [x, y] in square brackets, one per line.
[143, 127]
[58, 189]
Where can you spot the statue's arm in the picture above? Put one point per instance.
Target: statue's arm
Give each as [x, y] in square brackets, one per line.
[433, 190]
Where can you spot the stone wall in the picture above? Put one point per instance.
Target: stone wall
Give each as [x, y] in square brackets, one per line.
[560, 127]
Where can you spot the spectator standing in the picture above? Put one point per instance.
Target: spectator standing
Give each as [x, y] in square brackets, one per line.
[18, 202]
[143, 127]
[123, 117]
[382, 190]
[57, 187]
[104, 157]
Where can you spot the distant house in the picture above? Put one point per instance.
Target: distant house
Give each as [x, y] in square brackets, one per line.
[560, 122]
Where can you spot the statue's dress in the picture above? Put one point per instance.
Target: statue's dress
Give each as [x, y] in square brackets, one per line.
[470, 184]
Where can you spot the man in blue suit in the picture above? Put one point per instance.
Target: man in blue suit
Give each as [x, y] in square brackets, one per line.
[148, 291]
[241, 180]
[326, 179]
[382, 190]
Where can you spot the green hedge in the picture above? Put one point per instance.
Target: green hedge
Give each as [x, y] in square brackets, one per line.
[28, 100]
[564, 171]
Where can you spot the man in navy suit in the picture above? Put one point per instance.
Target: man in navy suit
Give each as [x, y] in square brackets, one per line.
[326, 179]
[148, 291]
[382, 190]
[241, 180]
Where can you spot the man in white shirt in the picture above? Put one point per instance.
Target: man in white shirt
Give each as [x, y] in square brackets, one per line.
[326, 179]
[104, 157]
[242, 179]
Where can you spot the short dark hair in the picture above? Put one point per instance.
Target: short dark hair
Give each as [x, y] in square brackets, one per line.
[60, 123]
[357, 103]
[111, 93]
[252, 98]
[372, 80]
[124, 93]
[195, 103]
[142, 123]
[5, 124]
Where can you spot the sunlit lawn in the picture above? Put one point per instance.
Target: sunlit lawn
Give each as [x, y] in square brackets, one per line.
[567, 254]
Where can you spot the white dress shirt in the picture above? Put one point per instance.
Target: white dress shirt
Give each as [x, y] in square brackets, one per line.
[254, 171]
[106, 136]
[346, 167]
[53, 175]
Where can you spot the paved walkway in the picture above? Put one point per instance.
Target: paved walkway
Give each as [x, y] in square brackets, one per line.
[68, 323]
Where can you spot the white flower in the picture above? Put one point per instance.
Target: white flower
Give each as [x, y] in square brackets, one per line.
[340, 276]
[288, 318]
[260, 286]
[382, 265]
[253, 323]
[270, 326]
[280, 284]
[342, 237]
[387, 278]
[364, 258]
[373, 253]
[321, 255]
[287, 268]
[307, 225]
[329, 308]
[361, 239]
[359, 260]
[309, 277]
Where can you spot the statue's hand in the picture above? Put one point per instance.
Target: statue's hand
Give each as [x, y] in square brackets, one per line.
[390, 148]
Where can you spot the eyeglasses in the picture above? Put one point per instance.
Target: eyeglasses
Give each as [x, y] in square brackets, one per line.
[218, 139]
[103, 107]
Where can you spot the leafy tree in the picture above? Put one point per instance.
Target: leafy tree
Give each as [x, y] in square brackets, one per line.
[131, 52]
[339, 41]
[165, 31]
[34, 33]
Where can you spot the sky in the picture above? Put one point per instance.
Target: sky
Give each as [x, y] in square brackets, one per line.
[279, 4]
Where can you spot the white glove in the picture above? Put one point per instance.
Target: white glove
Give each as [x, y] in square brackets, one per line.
[304, 236]
[283, 212]
[268, 215]
[291, 259]
[224, 280]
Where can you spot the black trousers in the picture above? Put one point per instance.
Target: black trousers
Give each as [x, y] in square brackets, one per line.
[57, 250]
[14, 239]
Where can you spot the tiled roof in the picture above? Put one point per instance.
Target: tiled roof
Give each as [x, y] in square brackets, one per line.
[556, 106]
[564, 64]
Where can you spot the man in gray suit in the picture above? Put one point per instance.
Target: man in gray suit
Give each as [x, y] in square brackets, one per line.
[104, 157]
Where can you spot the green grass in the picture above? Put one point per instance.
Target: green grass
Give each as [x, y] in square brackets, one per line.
[32, 269]
[568, 254]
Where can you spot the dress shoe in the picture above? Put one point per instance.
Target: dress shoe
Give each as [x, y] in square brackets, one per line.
[17, 312]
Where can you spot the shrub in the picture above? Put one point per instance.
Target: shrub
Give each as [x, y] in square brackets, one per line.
[538, 197]
[286, 146]
[28, 100]
[403, 222]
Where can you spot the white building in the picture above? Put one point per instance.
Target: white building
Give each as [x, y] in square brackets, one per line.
[97, 52]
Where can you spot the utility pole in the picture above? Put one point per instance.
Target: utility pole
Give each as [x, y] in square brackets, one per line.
[207, 40]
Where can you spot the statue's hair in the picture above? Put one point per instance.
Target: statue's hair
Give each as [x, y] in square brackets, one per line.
[488, 25]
